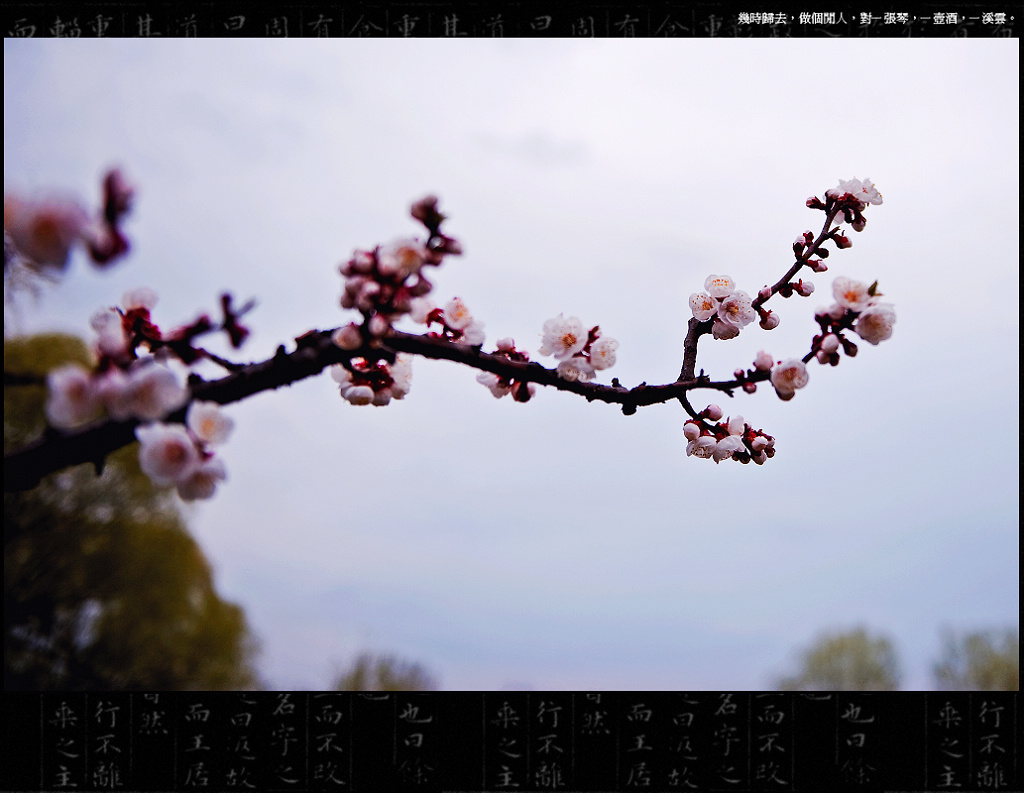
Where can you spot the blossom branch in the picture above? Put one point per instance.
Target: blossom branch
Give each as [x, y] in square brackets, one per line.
[371, 360]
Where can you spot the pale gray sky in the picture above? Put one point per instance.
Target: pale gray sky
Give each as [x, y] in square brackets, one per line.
[559, 544]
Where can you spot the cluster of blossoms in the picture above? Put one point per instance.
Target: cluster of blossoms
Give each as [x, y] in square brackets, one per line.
[731, 439]
[520, 390]
[457, 322]
[124, 386]
[857, 308]
[364, 382]
[42, 232]
[383, 283]
[849, 200]
[731, 308]
[172, 454]
[580, 353]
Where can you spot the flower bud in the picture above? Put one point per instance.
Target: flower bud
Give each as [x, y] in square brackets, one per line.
[713, 412]
[769, 321]
[830, 343]
[691, 431]
[750, 388]
[805, 288]
[763, 361]
[843, 242]
[348, 337]
[817, 265]
[765, 292]
[378, 326]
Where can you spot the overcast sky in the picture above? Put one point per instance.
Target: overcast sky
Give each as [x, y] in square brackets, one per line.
[560, 544]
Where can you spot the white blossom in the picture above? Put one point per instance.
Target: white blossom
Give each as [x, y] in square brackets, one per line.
[112, 339]
[861, 189]
[703, 447]
[73, 399]
[724, 330]
[563, 337]
[788, 376]
[830, 343]
[703, 306]
[202, 482]
[358, 394]
[208, 423]
[875, 323]
[456, 314]
[719, 285]
[575, 368]
[473, 334]
[737, 426]
[726, 447]
[402, 257]
[602, 352]
[851, 294]
[494, 383]
[419, 308]
[736, 310]
[167, 454]
[340, 375]
[401, 374]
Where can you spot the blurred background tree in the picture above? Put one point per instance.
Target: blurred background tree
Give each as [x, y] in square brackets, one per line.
[371, 672]
[103, 586]
[849, 661]
[979, 661]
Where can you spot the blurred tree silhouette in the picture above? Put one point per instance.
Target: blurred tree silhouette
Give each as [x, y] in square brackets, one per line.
[979, 661]
[383, 673]
[103, 586]
[850, 661]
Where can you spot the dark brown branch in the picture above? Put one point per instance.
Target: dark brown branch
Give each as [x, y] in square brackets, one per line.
[55, 450]
[801, 260]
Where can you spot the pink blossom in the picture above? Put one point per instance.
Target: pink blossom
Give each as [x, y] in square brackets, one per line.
[73, 399]
[208, 423]
[202, 482]
[167, 454]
